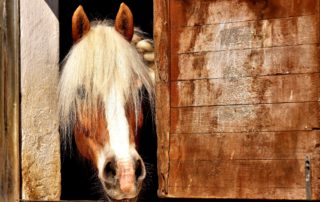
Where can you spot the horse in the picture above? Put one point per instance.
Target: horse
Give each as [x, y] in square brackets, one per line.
[102, 87]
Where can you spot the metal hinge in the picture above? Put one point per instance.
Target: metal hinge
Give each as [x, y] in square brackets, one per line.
[308, 177]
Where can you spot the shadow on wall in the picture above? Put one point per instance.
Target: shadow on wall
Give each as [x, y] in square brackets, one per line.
[53, 5]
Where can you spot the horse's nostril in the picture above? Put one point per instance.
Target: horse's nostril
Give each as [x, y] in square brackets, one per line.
[140, 170]
[110, 170]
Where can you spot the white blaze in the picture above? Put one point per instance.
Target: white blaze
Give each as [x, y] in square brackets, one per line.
[118, 125]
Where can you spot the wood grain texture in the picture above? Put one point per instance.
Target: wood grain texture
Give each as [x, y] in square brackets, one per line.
[161, 39]
[162, 62]
[9, 101]
[236, 194]
[246, 63]
[243, 146]
[238, 178]
[243, 86]
[246, 118]
[163, 134]
[247, 35]
[248, 90]
[315, 170]
[206, 12]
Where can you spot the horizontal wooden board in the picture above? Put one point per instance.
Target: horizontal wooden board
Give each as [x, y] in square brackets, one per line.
[243, 63]
[238, 178]
[249, 90]
[224, 173]
[241, 146]
[246, 35]
[205, 12]
[246, 118]
[237, 193]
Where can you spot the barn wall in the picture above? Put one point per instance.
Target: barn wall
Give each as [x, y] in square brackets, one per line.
[40, 145]
[237, 98]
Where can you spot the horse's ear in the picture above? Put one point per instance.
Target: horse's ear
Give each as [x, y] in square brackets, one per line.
[124, 22]
[80, 24]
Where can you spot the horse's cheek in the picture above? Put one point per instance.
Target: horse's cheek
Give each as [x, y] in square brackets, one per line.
[86, 147]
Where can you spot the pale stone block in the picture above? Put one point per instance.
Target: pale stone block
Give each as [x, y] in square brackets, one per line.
[40, 144]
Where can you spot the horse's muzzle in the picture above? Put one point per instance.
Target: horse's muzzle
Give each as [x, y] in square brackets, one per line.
[123, 179]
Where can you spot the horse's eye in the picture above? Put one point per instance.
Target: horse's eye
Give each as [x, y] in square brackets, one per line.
[81, 92]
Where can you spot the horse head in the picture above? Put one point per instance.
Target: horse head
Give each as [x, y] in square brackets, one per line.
[100, 98]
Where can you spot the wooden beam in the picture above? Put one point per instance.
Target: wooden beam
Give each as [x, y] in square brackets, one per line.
[162, 62]
[9, 100]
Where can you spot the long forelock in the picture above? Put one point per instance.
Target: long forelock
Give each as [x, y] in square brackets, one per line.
[99, 63]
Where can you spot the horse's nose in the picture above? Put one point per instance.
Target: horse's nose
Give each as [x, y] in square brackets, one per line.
[140, 171]
[125, 174]
[110, 171]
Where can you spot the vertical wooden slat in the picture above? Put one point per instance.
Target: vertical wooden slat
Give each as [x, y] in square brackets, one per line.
[315, 158]
[9, 101]
[162, 61]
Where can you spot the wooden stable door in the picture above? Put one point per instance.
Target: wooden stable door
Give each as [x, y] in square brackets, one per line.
[237, 98]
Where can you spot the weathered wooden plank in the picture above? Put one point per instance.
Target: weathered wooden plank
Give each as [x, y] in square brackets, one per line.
[249, 90]
[246, 118]
[163, 133]
[239, 178]
[161, 39]
[247, 35]
[241, 146]
[9, 101]
[242, 63]
[315, 170]
[206, 12]
[162, 62]
[237, 193]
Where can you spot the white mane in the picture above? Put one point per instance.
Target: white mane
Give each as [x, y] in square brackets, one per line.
[101, 62]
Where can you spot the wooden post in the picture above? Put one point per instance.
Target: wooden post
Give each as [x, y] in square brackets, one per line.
[40, 144]
[162, 62]
[9, 100]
